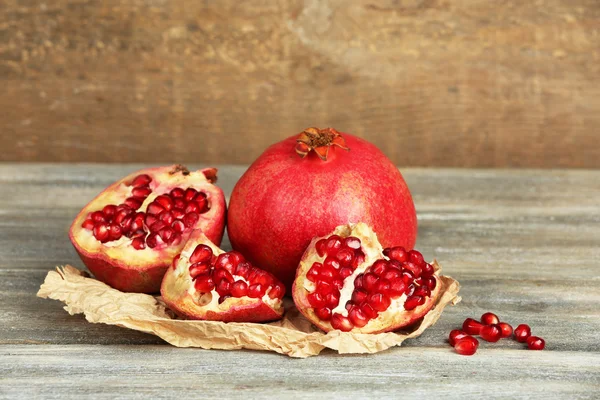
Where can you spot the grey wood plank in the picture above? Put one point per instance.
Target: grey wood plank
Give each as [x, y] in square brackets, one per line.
[163, 372]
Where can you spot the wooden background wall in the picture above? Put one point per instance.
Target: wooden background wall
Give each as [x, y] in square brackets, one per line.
[433, 82]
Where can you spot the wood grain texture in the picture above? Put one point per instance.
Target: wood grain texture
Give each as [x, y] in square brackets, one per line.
[522, 243]
[432, 82]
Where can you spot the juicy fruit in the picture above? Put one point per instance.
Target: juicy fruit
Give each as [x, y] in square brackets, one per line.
[307, 185]
[489, 319]
[466, 346]
[207, 283]
[456, 335]
[346, 281]
[506, 329]
[535, 343]
[129, 234]
[491, 333]
[522, 333]
[472, 327]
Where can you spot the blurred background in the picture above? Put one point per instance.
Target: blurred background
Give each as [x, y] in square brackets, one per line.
[461, 83]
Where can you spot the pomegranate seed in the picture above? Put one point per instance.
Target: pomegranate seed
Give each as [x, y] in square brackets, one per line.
[256, 290]
[396, 253]
[410, 289]
[152, 240]
[357, 317]
[177, 193]
[379, 267]
[138, 222]
[314, 272]
[202, 253]
[391, 274]
[413, 302]
[333, 244]
[226, 261]
[491, 333]
[316, 300]
[222, 274]
[88, 224]
[202, 203]
[414, 269]
[359, 258]
[430, 282]
[327, 273]
[133, 202]
[326, 287]
[332, 300]
[262, 277]
[101, 232]
[466, 346]
[141, 180]
[166, 217]
[138, 243]
[97, 216]
[150, 220]
[223, 288]
[178, 213]
[416, 258]
[109, 211]
[427, 270]
[383, 286]
[199, 269]
[489, 319]
[422, 291]
[115, 232]
[506, 329]
[359, 281]
[277, 291]
[239, 288]
[472, 327]
[456, 335]
[324, 313]
[345, 257]
[157, 226]
[338, 283]
[165, 201]
[204, 284]
[535, 343]
[192, 208]
[178, 226]
[352, 242]
[349, 305]
[397, 288]
[126, 224]
[320, 246]
[379, 302]
[341, 323]
[154, 208]
[243, 269]
[345, 272]
[141, 192]
[359, 296]
[331, 262]
[407, 277]
[522, 333]
[370, 281]
[190, 219]
[190, 194]
[368, 310]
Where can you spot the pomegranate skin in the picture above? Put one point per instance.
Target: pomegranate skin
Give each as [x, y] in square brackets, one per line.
[283, 200]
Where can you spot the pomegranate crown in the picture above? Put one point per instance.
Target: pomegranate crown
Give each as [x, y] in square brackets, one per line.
[319, 141]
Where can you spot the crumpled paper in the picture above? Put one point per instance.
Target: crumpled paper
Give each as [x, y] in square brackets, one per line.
[294, 335]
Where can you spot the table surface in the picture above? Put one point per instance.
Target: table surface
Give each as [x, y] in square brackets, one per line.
[523, 244]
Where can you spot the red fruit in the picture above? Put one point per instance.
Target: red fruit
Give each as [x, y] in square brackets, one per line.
[506, 329]
[455, 336]
[466, 346]
[489, 319]
[522, 333]
[148, 234]
[238, 298]
[472, 327]
[307, 185]
[491, 333]
[535, 343]
[371, 299]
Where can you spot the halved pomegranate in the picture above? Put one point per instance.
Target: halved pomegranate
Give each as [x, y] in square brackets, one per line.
[347, 281]
[129, 234]
[209, 284]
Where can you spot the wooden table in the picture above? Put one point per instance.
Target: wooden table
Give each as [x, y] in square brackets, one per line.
[523, 244]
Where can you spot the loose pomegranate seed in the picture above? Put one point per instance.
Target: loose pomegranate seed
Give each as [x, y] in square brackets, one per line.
[466, 346]
[456, 335]
[491, 333]
[506, 329]
[320, 246]
[489, 319]
[472, 327]
[522, 332]
[133, 202]
[535, 343]
[97, 216]
[141, 180]
[413, 302]
[341, 323]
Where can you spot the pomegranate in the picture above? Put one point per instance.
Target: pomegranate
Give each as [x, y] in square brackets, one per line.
[128, 235]
[307, 185]
[209, 284]
[535, 343]
[346, 281]
[522, 333]
[466, 346]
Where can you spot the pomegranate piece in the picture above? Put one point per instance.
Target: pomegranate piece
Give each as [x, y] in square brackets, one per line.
[522, 333]
[489, 319]
[324, 178]
[362, 290]
[466, 346]
[220, 286]
[535, 343]
[455, 336]
[491, 333]
[506, 329]
[472, 327]
[129, 234]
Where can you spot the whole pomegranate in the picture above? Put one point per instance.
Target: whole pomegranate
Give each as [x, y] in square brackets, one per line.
[129, 234]
[307, 185]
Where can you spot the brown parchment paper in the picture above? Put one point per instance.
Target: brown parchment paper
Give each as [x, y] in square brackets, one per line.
[294, 335]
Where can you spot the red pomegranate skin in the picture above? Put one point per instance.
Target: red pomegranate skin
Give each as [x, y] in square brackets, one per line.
[282, 201]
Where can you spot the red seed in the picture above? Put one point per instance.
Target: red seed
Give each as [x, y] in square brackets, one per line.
[222, 274]
[466, 346]
[338, 283]
[472, 327]
[345, 257]
[154, 208]
[397, 288]
[101, 232]
[455, 336]
[152, 240]
[333, 244]
[392, 274]
[379, 302]
[332, 300]
[202, 253]
[314, 271]
[199, 269]
[138, 243]
[368, 310]
[204, 284]
[223, 288]
[320, 246]
[177, 193]
[491, 333]
[357, 317]
[190, 194]
[370, 281]
[396, 253]
[535, 343]
[166, 217]
[141, 180]
[178, 213]
[379, 267]
[422, 291]
[341, 323]
[359, 281]
[239, 289]
[489, 319]
[277, 291]
[407, 277]
[165, 201]
[383, 286]
[256, 290]
[178, 226]
[352, 242]
[332, 263]
[150, 220]
[133, 202]
[192, 208]
[359, 258]
[141, 192]
[157, 226]
[522, 333]
[243, 269]
[88, 224]
[413, 302]
[323, 314]
[262, 277]
[167, 235]
[416, 258]
[191, 219]
[202, 203]
[316, 300]
[414, 269]
[430, 282]
[345, 272]
[506, 329]
[109, 211]
[97, 216]
[115, 232]
[427, 270]
[359, 296]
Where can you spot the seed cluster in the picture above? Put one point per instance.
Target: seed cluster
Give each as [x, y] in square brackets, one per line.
[230, 275]
[164, 221]
[490, 329]
[386, 279]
